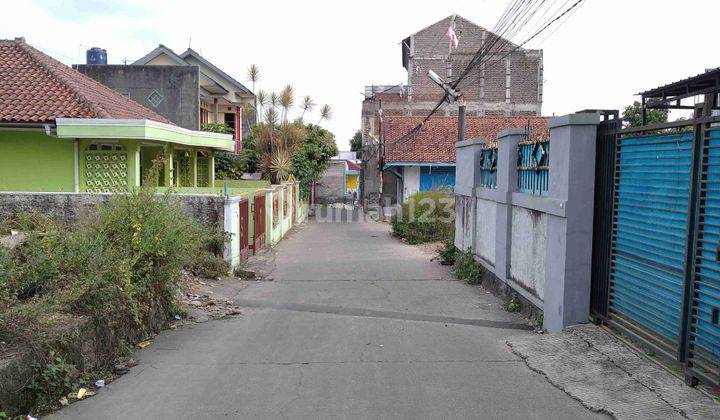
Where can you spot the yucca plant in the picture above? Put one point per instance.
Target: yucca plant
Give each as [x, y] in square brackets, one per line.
[307, 106]
[280, 165]
[325, 113]
[287, 98]
[254, 76]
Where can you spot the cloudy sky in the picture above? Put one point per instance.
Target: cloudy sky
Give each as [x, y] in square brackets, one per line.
[606, 52]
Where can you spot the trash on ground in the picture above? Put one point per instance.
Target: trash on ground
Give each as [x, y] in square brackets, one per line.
[100, 383]
[64, 401]
[80, 394]
[144, 344]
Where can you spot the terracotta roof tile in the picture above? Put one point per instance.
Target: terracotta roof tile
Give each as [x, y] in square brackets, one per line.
[435, 142]
[37, 88]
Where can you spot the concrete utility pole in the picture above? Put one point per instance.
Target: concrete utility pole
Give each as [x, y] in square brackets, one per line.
[452, 95]
[381, 153]
[461, 119]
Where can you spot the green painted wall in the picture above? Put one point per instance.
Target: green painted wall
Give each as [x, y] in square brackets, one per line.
[33, 161]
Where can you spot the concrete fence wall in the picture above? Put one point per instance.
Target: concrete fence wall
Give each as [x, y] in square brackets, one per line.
[210, 208]
[538, 245]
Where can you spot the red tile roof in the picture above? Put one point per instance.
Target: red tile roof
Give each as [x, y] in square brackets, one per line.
[435, 142]
[352, 166]
[37, 88]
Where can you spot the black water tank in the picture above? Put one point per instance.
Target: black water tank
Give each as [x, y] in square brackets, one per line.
[96, 55]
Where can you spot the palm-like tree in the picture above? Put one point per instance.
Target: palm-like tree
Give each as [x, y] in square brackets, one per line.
[307, 106]
[262, 101]
[325, 113]
[254, 76]
[287, 98]
[274, 100]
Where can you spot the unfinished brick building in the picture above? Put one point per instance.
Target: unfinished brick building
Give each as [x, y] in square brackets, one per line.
[508, 84]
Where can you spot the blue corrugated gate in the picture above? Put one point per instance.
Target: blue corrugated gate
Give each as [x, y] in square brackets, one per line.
[650, 236]
[665, 252]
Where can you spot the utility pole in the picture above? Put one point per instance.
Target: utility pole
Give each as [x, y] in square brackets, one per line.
[461, 119]
[452, 95]
[381, 153]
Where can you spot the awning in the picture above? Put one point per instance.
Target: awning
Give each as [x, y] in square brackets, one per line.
[82, 128]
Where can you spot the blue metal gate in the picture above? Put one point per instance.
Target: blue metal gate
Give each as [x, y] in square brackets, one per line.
[664, 277]
[650, 236]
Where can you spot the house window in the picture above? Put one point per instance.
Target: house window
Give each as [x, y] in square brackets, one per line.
[106, 147]
[155, 98]
[230, 121]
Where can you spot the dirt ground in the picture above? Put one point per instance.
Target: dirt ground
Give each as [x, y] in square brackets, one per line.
[205, 299]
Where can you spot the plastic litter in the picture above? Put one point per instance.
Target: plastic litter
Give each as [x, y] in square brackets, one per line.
[64, 401]
[29, 417]
[144, 344]
[100, 383]
[81, 393]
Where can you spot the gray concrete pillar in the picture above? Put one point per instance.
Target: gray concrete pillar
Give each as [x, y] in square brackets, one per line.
[467, 166]
[506, 184]
[467, 178]
[569, 238]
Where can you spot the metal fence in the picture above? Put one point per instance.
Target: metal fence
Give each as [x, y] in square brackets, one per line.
[606, 143]
[488, 167]
[664, 263]
[532, 166]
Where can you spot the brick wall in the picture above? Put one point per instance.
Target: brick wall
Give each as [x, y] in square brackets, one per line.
[506, 86]
[492, 87]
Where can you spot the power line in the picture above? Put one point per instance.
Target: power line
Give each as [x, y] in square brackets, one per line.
[517, 11]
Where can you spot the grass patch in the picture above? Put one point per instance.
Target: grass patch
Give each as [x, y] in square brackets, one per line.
[447, 252]
[427, 216]
[114, 273]
[467, 269]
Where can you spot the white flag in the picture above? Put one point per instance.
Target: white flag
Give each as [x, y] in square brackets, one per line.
[452, 37]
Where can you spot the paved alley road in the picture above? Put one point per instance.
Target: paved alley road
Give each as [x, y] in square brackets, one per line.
[355, 324]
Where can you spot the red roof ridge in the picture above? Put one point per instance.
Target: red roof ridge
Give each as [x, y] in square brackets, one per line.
[41, 88]
[40, 58]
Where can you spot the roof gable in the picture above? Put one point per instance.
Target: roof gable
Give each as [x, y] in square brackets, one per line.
[161, 50]
[37, 88]
[463, 27]
[193, 54]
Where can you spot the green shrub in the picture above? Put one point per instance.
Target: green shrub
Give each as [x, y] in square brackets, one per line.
[425, 217]
[118, 269]
[512, 305]
[447, 251]
[55, 377]
[208, 265]
[467, 269]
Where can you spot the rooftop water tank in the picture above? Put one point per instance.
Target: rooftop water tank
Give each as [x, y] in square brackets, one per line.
[96, 55]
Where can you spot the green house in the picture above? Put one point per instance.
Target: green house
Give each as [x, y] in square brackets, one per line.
[61, 131]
